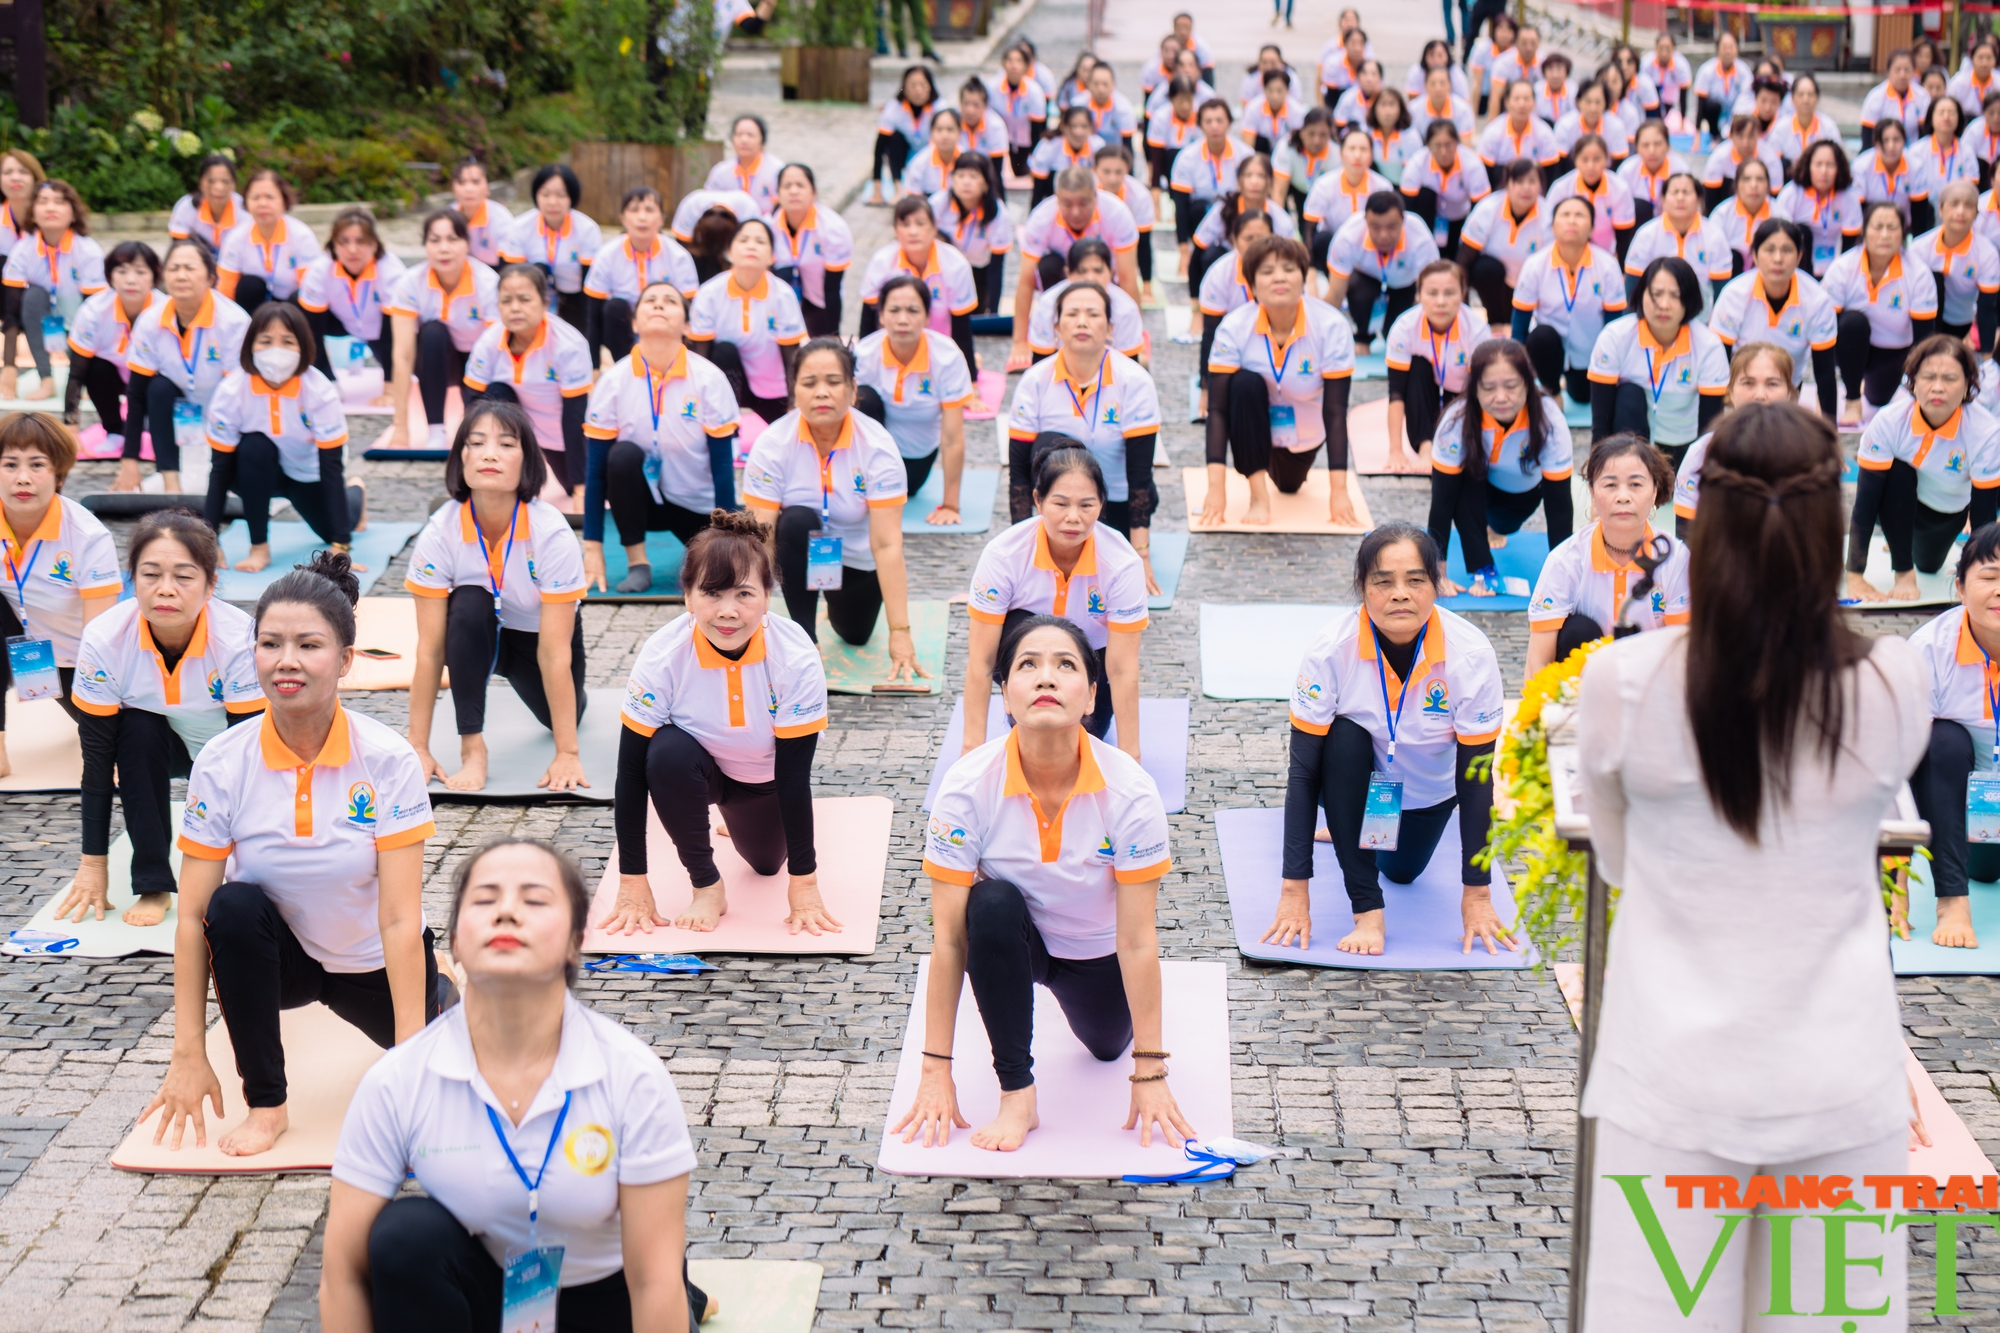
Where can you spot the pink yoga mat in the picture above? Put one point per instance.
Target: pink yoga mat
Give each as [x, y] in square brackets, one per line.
[992, 388]
[1082, 1101]
[852, 838]
[454, 408]
[92, 444]
[748, 427]
[1368, 442]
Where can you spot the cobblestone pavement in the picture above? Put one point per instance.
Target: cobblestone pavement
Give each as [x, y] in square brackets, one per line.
[1429, 1114]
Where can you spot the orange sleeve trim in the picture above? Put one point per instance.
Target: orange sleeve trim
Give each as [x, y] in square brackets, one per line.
[1134, 626]
[893, 502]
[202, 851]
[16, 282]
[804, 729]
[399, 310]
[338, 443]
[1448, 469]
[759, 502]
[1679, 618]
[419, 590]
[1546, 626]
[1221, 368]
[1396, 365]
[1024, 437]
[247, 707]
[962, 878]
[599, 433]
[794, 340]
[577, 392]
[1596, 378]
[80, 350]
[1157, 870]
[1311, 728]
[637, 726]
[1551, 476]
[1717, 392]
[1821, 347]
[406, 837]
[1479, 739]
[1874, 466]
[961, 401]
[986, 617]
[1986, 485]
[1336, 271]
[308, 305]
[95, 710]
[479, 386]
[561, 597]
[1137, 431]
[1529, 307]
[103, 590]
[1683, 511]
[721, 432]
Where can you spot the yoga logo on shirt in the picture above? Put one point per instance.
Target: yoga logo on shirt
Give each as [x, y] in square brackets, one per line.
[361, 805]
[1093, 603]
[1437, 699]
[1105, 848]
[215, 686]
[589, 1149]
[687, 410]
[771, 700]
[197, 811]
[61, 571]
[97, 676]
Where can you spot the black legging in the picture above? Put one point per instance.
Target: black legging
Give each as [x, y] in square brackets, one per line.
[326, 324]
[1549, 357]
[1488, 277]
[683, 780]
[252, 291]
[1939, 786]
[1247, 413]
[1866, 368]
[1708, 111]
[109, 393]
[477, 647]
[1474, 504]
[1361, 293]
[439, 366]
[727, 359]
[633, 507]
[160, 394]
[1423, 398]
[1425, 206]
[1919, 537]
[852, 608]
[1005, 959]
[607, 323]
[428, 1274]
[892, 150]
[1621, 408]
[916, 471]
[147, 755]
[1482, 11]
[252, 470]
[261, 969]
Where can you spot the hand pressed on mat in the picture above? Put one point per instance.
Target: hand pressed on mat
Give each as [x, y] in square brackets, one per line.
[807, 909]
[90, 892]
[634, 908]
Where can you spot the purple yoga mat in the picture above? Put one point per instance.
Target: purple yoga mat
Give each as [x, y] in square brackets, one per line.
[1163, 742]
[1423, 916]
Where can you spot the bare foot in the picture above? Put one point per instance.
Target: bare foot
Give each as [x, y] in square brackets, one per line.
[149, 909]
[258, 559]
[1447, 588]
[256, 1134]
[1010, 1128]
[10, 382]
[1905, 588]
[1954, 923]
[471, 775]
[1258, 513]
[45, 387]
[6, 767]
[1496, 540]
[1367, 936]
[706, 910]
[1859, 589]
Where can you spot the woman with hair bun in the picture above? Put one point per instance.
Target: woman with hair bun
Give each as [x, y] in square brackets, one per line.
[100, 342]
[302, 870]
[724, 708]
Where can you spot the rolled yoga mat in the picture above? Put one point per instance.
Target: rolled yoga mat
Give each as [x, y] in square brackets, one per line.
[520, 749]
[1082, 1101]
[293, 543]
[851, 842]
[1253, 650]
[1163, 744]
[1301, 512]
[977, 488]
[1422, 919]
[111, 937]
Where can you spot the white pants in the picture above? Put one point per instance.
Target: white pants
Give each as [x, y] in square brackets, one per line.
[1627, 1292]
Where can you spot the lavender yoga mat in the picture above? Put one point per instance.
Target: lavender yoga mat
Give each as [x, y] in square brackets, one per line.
[1423, 916]
[1163, 741]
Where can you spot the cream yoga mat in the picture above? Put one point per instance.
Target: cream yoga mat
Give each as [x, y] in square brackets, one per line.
[325, 1058]
[111, 937]
[851, 837]
[758, 1295]
[42, 748]
[1369, 447]
[1303, 512]
[385, 645]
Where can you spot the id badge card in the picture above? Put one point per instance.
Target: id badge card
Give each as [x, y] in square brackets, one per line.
[529, 1287]
[54, 335]
[651, 467]
[1824, 253]
[822, 564]
[1284, 425]
[1441, 230]
[1982, 807]
[187, 422]
[33, 662]
[1382, 815]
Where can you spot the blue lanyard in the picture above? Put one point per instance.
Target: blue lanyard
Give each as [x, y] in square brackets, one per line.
[655, 394]
[1278, 367]
[487, 552]
[1992, 703]
[20, 580]
[535, 1185]
[1382, 674]
[189, 362]
[1658, 385]
[1569, 294]
[1089, 418]
[1210, 1166]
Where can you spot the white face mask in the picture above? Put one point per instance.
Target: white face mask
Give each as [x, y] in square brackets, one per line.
[275, 364]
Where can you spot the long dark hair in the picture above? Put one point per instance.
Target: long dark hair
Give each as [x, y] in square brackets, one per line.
[1768, 649]
[1472, 446]
[975, 161]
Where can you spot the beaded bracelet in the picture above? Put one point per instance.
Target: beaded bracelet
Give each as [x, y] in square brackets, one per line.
[1152, 1055]
[1146, 1078]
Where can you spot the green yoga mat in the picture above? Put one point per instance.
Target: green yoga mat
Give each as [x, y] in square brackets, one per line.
[977, 488]
[663, 551]
[852, 670]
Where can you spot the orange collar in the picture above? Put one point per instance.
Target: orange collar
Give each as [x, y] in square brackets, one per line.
[1089, 779]
[542, 224]
[197, 645]
[757, 293]
[1364, 644]
[221, 224]
[336, 753]
[265, 389]
[706, 654]
[1682, 341]
[520, 359]
[676, 369]
[930, 266]
[919, 361]
[1086, 560]
[48, 530]
[1950, 252]
[1600, 554]
[1791, 296]
[461, 288]
[1948, 431]
[635, 255]
[1501, 433]
[1889, 275]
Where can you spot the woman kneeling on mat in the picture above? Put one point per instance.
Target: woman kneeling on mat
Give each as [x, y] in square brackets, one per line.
[724, 708]
[1428, 351]
[1021, 897]
[914, 381]
[1586, 581]
[302, 869]
[662, 430]
[1028, 571]
[159, 676]
[1758, 373]
[616, 1193]
[1564, 297]
[829, 485]
[1927, 462]
[1357, 749]
[278, 430]
[1299, 357]
[1498, 453]
[497, 575]
[749, 325]
[1657, 373]
[536, 359]
[181, 351]
[439, 310]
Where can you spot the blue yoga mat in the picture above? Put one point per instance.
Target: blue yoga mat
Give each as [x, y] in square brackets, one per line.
[1371, 366]
[1917, 956]
[977, 488]
[663, 551]
[406, 455]
[293, 543]
[1575, 413]
[1169, 553]
[1422, 918]
[1520, 559]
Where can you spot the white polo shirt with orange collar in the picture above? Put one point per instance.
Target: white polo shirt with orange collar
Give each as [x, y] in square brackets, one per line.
[1223, 289]
[101, 328]
[196, 357]
[1806, 321]
[1577, 303]
[192, 216]
[555, 366]
[1970, 270]
[1447, 355]
[1908, 290]
[1295, 371]
[1454, 697]
[987, 823]
[1506, 446]
[309, 834]
[1332, 201]
[759, 321]
[1962, 453]
[1675, 378]
[1738, 226]
[1207, 176]
[1458, 189]
[1352, 251]
[1492, 229]
[671, 412]
[357, 300]
[119, 666]
[945, 273]
[303, 416]
[1581, 577]
[280, 259]
[738, 710]
[69, 270]
[863, 471]
[485, 229]
[1610, 202]
[1104, 592]
[537, 560]
[566, 252]
[1963, 680]
[1702, 245]
[621, 271]
[823, 244]
[1128, 328]
[465, 310]
[759, 179]
[1499, 145]
[1118, 402]
[1047, 232]
[915, 396]
[69, 559]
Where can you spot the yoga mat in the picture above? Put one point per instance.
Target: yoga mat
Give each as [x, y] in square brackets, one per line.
[1303, 512]
[42, 748]
[1423, 922]
[53, 404]
[111, 937]
[1575, 413]
[519, 749]
[136, 504]
[1932, 589]
[758, 1295]
[1368, 442]
[294, 544]
[664, 553]
[852, 670]
[991, 390]
[1519, 563]
[1163, 741]
[993, 326]
[1371, 366]
[1169, 554]
[977, 487]
[1253, 651]
[388, 624]
[1082, 1101]
[1917, 956]
[851, 837]
[325, 1058]
[93, 445]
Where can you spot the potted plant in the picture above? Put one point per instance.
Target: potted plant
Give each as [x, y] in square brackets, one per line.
[646, 68]
[826, 50]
